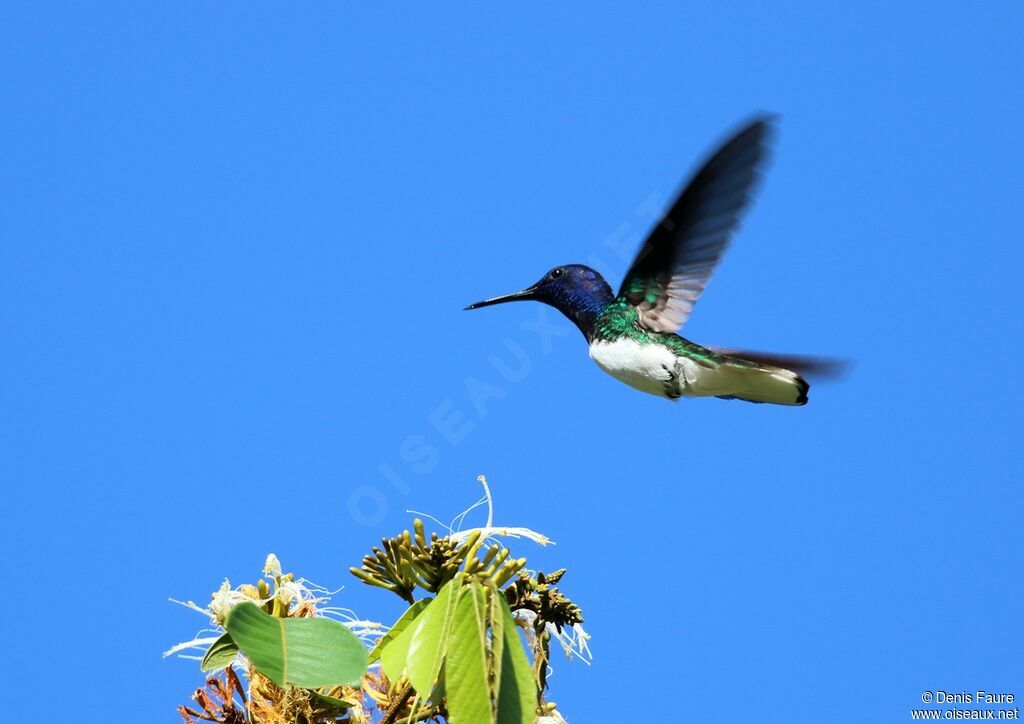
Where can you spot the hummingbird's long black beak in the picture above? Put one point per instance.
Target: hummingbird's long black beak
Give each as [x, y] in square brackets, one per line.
[517, 297]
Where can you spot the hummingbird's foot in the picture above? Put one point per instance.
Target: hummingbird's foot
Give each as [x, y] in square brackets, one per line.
[672, 390]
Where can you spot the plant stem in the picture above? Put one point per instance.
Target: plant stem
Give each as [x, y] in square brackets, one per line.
[391, 715]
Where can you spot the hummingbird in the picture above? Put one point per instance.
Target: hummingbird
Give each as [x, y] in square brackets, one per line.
[632, 335]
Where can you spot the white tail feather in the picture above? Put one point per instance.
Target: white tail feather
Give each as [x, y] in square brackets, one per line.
[741, 379]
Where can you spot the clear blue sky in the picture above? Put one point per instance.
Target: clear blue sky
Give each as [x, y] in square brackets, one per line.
[236, 243]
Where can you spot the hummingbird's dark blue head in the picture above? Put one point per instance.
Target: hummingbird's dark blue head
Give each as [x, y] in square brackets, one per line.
[577, 291]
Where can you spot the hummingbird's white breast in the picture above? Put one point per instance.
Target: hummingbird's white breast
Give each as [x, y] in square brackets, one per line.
[649, 368]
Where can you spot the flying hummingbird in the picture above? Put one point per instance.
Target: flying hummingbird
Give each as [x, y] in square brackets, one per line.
[632, 334]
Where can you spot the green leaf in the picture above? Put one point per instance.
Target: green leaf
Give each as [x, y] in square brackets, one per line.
[399, 626]
[221, 653]
[497, 620]
[517, 689]
[307, 652]
[465, 668]
[394, 656]
[429, 639]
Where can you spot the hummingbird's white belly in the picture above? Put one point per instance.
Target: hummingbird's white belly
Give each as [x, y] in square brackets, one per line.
[649, 368]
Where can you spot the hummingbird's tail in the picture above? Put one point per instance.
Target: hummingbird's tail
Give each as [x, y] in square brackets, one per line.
[767, 384]
[775, 378]
[756, 381]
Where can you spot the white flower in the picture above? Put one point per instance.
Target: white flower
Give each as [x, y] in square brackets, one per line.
[224, 600]
[272, 568]
[488, 530]
[573, 639]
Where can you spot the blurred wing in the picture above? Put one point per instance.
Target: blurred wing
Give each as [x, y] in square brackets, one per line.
[676, 262]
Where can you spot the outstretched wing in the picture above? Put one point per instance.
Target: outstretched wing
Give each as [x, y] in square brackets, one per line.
[676, 262]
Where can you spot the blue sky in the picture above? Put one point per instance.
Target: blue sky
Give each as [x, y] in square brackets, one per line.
[236, 243]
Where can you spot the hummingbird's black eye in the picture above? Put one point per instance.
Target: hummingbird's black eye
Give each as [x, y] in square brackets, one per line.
[556, 273]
